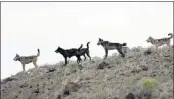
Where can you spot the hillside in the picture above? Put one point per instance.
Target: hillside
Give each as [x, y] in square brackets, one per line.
[142, 72]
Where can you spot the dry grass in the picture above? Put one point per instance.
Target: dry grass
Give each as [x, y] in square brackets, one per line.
[135, 72]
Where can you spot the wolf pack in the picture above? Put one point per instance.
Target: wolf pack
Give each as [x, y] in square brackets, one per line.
[78, 52]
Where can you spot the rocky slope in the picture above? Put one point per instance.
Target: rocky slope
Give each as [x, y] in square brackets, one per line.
[112, 78]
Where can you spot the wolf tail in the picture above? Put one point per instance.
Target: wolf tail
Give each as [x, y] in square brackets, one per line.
[38, 54]
[171, 35]
[87, 45]
[124, 44]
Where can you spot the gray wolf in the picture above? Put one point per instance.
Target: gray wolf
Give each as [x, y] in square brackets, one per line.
[84, 51]
[69, 53]
[111, 46]
[27, 59]
[159, 42]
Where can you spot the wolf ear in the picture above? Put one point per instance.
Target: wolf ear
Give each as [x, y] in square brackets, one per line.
[100, 39]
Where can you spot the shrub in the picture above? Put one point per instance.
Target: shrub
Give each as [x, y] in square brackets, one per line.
[149, 83]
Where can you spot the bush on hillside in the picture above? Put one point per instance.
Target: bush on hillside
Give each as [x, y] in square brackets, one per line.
[149, 83]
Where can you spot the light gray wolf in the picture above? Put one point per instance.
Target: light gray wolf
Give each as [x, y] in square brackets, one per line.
[27, 59]
[111, 46]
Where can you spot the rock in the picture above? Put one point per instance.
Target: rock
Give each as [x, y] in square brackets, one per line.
[145, 68]
[102, 65]
[36, 90]
[154, 73]
[144, 95]
[23, 85]
[80, 66]
[66, 92]
[51, 70]
[130, 96]
[136, 70]
[70, 87]
[115, 98]
[59, 97]
[147, 52]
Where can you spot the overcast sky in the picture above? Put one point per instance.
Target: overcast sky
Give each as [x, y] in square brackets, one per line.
[27, 26]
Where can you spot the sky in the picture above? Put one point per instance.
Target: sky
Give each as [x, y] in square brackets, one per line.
[26, 26]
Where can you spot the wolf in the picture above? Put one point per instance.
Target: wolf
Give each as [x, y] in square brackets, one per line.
[68, 53]
[85, 51]
[159, 42]
[27, 59]
[111, 46]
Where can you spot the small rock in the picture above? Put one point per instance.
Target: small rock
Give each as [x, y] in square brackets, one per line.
[167, 56]
[144, 95]
[161, 90]
[147, 52]
[122, 74]
[36, 91]
[66, 92]
[51, 70]
[130, 96]
[23, 85]
[115, 98]
[153, 74]
[30, 86]
[102, 65]
[145, 68]
[136, 70]
[71, 87]
[59, 97]
[80, 66]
